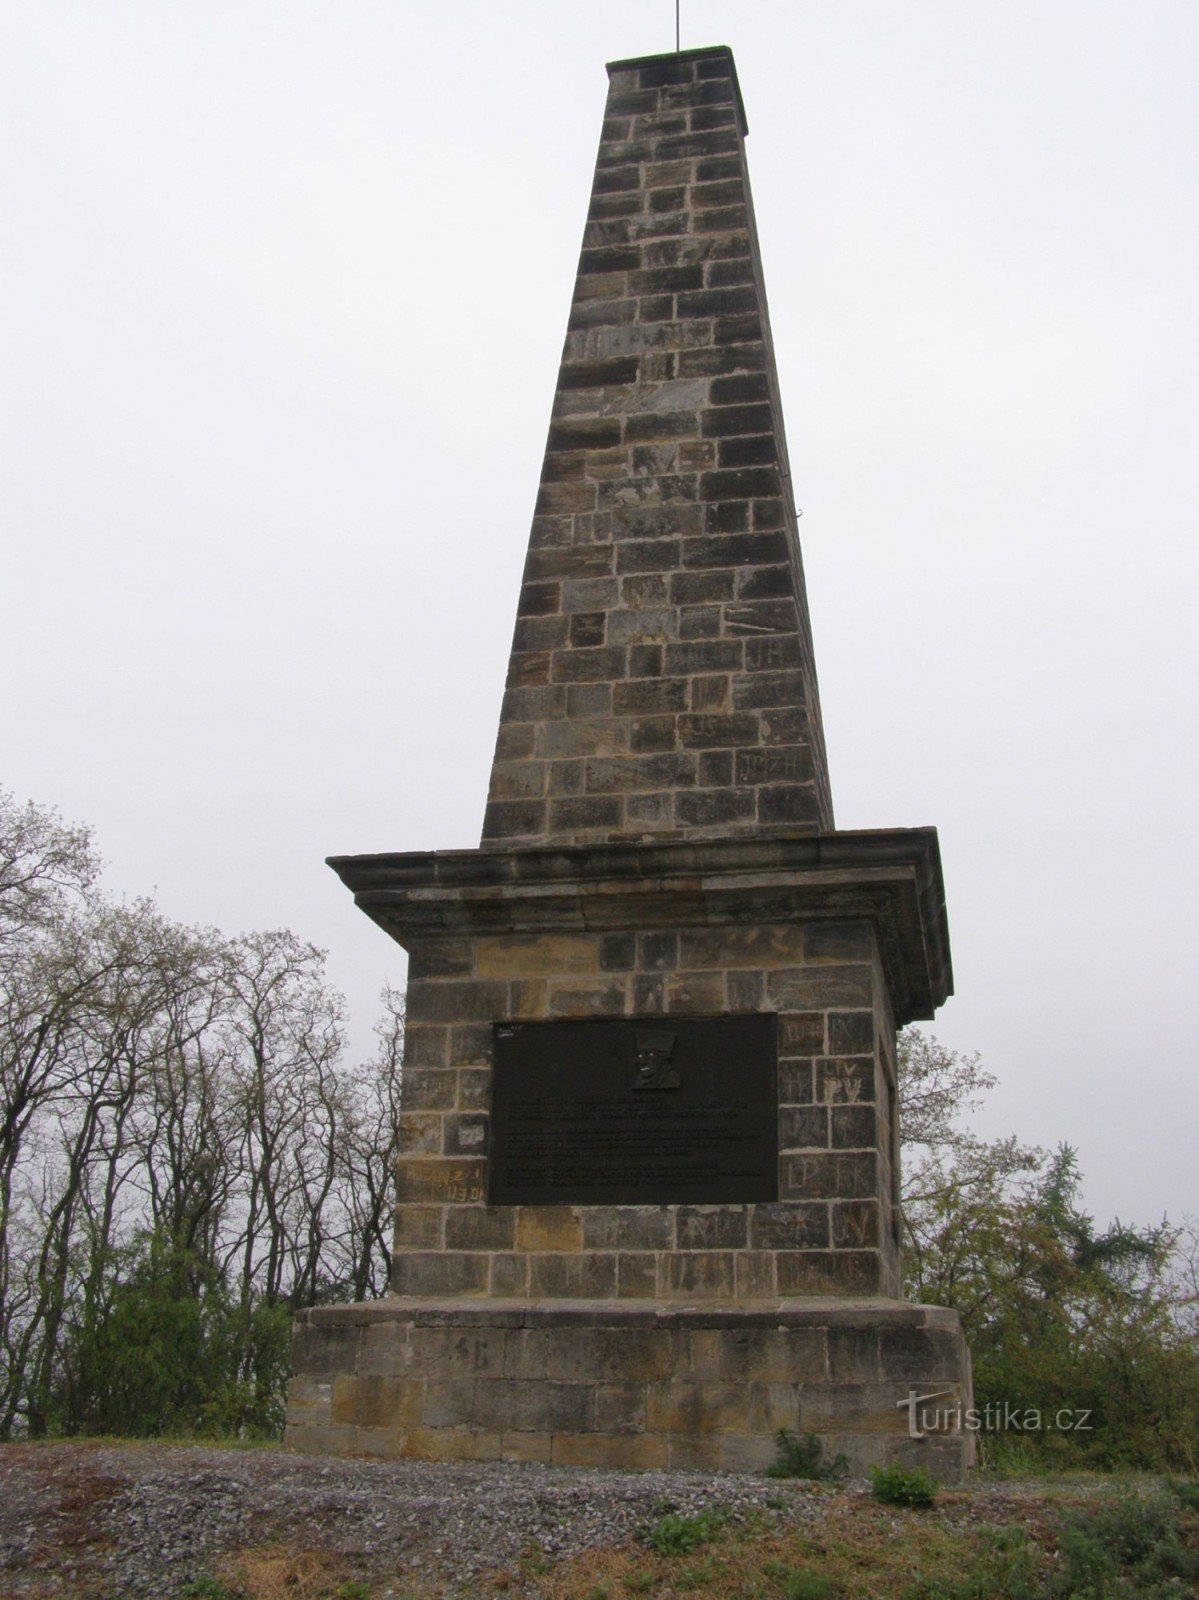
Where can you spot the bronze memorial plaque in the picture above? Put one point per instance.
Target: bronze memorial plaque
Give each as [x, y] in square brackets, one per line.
[635, 1111]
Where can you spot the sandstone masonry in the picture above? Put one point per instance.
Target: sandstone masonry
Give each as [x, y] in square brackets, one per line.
[658, 844]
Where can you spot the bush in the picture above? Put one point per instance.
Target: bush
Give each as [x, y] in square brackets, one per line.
[1134, 1536]
[802, 1456]
[673, 1535]
[898, 1485]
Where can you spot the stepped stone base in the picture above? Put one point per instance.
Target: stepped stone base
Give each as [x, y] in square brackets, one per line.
[603, 1384]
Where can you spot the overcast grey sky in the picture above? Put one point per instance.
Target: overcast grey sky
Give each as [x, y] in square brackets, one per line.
[284, 290]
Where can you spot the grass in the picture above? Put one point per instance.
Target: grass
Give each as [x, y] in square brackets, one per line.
[1139, 1546]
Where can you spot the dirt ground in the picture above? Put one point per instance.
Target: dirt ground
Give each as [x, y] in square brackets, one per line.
[114, 1521]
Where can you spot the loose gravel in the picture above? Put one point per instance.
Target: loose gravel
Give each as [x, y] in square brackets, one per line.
[114, 1522]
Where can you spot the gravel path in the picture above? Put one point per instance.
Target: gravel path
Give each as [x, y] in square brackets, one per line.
[113, 1522]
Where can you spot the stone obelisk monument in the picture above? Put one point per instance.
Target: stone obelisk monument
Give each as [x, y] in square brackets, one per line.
[646, 1201]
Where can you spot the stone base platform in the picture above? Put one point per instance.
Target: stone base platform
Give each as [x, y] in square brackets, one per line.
[605, 1384]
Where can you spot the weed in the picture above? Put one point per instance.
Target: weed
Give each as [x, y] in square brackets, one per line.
[1005, 1567]
[535, 1563]
[673, 1535]
[1185, 1491]
[810, 1586]
[206, 1587]
[639, 1582]
[802, 1456]
[352, 1589]
[694, 1577]
[1133, 1535]
[897, 1485]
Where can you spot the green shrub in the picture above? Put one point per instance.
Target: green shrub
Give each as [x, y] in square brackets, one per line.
[1185, 1491]
[898, 1485]
[673, 1535]
[1133, 1536]
[206, 1587]
[802, 1456]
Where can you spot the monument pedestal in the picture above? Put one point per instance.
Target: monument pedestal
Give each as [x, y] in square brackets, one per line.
[607, 1384]
[538, 1313]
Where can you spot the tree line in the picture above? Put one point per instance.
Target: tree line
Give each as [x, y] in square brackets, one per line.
[1061, 1316]
[187, 1153]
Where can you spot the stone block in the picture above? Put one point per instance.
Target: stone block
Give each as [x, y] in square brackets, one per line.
[458, 1352]
[850, 1033]
[854, 1127]
[538, 1407]
[435, 1273]
[384, 1351]
[323, 1352]
[548, 1228]
[599, 998]
[700, 1275]
[853, 1355]
[694, 1455]
[788, 1225]
[695, 992]
[841, 1081]
[757, 1354]
[755, 1275]
[418, 1227]
[460, 1181]
[525, 1353]
[509, 1276]
[534, 1447]
[528, 999]
[427, 1090]
[802, 1034]
[425, 1047]
[453, 1000]
[752, 946]
[636, 1276]
[920, 1353]
[449, 1402]
[620, 1408]
[628, 1228]
[470, 1045]
[806, 989]
[452, 1444]
[804, 1127]
[746, 1452]
[536, 955]
[844, 1175]
[376, 1401]
[682, 1406]
[614, 1354]
[480, 1228]
[855, 1224]
[795, 1082]
[572, 1277]
[711, 1227]
[847, 1272]
[637, 1452]
[465, 1133]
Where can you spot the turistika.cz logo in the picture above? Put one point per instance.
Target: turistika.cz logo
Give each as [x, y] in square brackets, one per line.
[942, 1411]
